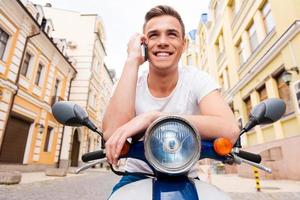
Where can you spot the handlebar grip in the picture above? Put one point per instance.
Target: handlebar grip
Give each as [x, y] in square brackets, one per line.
[249, 156]
[92, 156]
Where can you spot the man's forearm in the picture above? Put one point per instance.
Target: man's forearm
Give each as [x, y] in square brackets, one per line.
[211, 127]
[121, 107]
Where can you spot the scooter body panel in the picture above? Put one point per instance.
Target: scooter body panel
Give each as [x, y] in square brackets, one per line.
[143, 189]
[171, 188]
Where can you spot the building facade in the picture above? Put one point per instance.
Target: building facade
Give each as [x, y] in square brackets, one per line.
[252, 50]
[85, 42]
[34, 73]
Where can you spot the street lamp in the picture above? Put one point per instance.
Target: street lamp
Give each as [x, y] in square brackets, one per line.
[287, 75]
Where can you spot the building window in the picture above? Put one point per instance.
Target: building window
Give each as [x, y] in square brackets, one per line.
[48, 30]
[88, 144]
[226, 76]
[37, 16]
[56, 87]
[241, 52]
[267, 17]
[284, 94]
[219, 46]
[248, 105]
[94, 100]
[235, 6]
[297, 93]
[3, 42]
[217, 9]
[262, 91]
[39, 74]
[253, 37]
[48, 140]
[55, 96]
[26, 63]
[189, 60]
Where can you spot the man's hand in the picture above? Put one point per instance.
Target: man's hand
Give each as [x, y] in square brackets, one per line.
[134, 48]
[116, 142]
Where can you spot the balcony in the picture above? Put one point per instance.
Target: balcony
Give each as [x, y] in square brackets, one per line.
[55, 99]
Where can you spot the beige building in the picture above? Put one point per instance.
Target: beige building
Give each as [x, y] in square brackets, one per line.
[84, 36]
[252, 49]
[191, 53]
[34, 73]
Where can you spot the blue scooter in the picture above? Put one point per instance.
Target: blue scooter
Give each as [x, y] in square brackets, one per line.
[171, 147]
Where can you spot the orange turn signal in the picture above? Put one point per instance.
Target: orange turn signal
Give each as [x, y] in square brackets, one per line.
[125, 149]
[222, 146]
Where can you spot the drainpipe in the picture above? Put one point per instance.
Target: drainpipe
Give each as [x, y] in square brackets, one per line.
[63, 130]
[17, 79]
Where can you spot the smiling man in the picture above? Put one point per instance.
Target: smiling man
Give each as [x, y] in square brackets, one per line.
[165, 89]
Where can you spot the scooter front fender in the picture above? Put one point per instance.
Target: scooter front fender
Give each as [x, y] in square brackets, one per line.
[143, 189]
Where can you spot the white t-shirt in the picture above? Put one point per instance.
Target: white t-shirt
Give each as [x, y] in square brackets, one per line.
[191, 87]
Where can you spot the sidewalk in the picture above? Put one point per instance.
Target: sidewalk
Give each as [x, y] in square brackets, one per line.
[234, 183]
[31, 177]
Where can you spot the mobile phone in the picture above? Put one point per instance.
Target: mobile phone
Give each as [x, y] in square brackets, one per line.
[144, 51]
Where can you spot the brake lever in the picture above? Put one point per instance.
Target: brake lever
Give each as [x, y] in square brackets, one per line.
[239, 160]
[89, 165]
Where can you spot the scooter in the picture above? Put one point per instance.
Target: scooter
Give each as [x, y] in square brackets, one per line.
[171, 147]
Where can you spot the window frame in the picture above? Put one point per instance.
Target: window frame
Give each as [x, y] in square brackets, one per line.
[3, 43]
[24, 72]
[48, 139]
[252, 32]
[39, 74]
[290, 107]
[241, 52]
[266, 17]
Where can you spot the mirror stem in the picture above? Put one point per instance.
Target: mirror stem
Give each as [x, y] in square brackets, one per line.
[238, 141]
[102, 139]
[87, 122]
[243, 131]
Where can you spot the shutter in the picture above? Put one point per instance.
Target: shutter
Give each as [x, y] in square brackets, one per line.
[15, 139]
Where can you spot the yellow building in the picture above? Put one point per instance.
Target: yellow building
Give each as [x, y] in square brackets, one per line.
[251, 48]
[190, 55]
[34, 73]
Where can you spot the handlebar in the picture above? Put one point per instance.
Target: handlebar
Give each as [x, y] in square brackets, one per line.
[93, 155]
[249, 156]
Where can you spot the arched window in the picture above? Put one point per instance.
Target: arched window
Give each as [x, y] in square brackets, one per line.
[37, 16]
[48, 30]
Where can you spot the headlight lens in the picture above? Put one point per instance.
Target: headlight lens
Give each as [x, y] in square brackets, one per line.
[172, 145]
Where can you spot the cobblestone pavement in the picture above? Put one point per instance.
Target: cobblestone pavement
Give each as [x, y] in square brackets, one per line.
[91, 185]
[97, 185]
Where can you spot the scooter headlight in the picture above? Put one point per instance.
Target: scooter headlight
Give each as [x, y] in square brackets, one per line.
[172, 145]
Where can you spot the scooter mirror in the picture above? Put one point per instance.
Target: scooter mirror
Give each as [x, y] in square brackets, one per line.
[266, 112]
[69, 113]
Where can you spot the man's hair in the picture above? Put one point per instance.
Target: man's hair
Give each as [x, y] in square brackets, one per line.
[162, 10]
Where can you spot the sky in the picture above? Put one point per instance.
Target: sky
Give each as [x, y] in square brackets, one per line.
[123, 18]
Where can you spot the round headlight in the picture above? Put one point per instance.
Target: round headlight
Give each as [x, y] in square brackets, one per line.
[172, 145]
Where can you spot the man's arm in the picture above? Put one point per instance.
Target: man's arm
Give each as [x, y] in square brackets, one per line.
[121, 107]
[216, 120]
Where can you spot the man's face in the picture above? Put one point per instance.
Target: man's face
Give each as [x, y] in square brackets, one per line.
[165, 41]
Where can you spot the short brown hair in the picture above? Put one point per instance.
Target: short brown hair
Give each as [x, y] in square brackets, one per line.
[161, 10]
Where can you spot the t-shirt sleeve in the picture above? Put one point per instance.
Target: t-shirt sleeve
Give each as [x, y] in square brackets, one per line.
[203, 84]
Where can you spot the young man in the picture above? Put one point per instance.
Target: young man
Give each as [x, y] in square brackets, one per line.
[166, 89]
